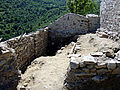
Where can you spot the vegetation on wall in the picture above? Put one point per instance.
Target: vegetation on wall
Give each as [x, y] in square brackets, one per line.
[83, 7]
[23, 16]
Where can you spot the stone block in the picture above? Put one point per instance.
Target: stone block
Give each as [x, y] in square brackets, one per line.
[89, 59]
[2, 62]
[97, 54]
[74, 63]
[85, 74]
[110, 53]
[96, 78]
[102, 71]
[101, 65]
[111, 65]
[116, 71]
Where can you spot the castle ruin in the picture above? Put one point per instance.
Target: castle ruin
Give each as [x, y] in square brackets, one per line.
[93, 69]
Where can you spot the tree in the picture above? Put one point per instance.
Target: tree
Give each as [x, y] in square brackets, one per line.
[24, 16]
[82, 7]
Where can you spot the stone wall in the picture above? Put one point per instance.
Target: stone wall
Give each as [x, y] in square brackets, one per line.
[94, 22]
[110, 15]
[94, 65]
[17, 52]
[67, 27]
[72, 24]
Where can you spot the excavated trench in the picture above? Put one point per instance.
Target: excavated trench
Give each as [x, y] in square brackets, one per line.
[39, 75]
[57, 64]
[53, 46]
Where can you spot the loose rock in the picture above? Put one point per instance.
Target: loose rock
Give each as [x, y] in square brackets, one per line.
[96, 54]
[89, 59]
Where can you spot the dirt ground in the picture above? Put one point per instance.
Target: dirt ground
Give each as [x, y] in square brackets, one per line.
[92, 43]
[46, 73]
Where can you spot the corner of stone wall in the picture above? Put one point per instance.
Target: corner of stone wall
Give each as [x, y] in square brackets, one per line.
[8, 66]
[41, 41]
[17, 53]
[94, 22]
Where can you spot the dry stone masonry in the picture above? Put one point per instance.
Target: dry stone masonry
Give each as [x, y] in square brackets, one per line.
[110, 15]
[92, 63]
[72, 24]
[94, 58]
[94, 22]
[96, 65]
[17, 52]
[110, 20]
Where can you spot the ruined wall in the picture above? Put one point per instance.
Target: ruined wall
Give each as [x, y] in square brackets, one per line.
[67, 27]
[110, 15]
[17, 52]
[94, 22]
[71, 24]
[94, 64]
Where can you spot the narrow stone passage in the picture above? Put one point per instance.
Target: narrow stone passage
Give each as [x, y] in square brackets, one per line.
[46, 73]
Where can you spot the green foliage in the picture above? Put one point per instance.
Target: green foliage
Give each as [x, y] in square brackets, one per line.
[23, 16]
[83, 7]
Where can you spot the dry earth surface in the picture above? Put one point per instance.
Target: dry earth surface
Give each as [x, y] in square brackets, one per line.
[48, 73]
[92, 43]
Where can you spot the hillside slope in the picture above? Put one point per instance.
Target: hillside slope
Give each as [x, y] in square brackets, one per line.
[23, 16]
